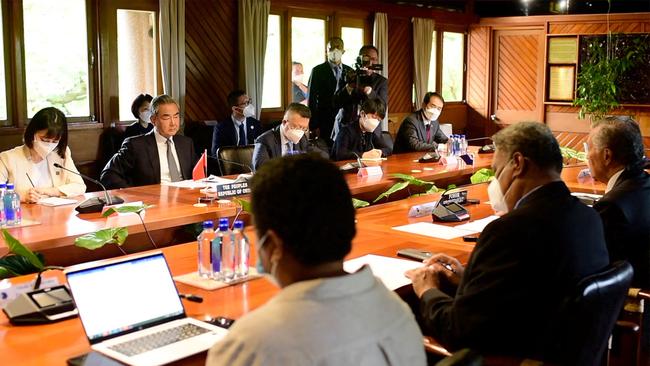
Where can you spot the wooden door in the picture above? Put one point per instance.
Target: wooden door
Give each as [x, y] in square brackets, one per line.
[518, 76]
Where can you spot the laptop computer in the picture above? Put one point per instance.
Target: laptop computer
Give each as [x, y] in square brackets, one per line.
[131, 311]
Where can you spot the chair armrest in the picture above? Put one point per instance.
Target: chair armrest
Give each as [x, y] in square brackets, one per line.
[639, 293]
[626, 326]
[432, 346]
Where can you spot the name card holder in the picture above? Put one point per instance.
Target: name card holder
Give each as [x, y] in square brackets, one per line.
[450, 161]
[232, 189]
[370, 171]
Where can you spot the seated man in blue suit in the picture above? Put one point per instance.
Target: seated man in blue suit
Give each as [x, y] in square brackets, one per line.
[161, 155]
[287, 138]
[241, 128]
[363, 138]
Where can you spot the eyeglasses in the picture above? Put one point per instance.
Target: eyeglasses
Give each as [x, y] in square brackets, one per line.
[250, 101]
[305, 129]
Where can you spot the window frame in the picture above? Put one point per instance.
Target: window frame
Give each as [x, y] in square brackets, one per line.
[440, 33]
[284, 55]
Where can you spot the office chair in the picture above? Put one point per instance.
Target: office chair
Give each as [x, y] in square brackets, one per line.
[632, 330]
[388, 139]
[588, 318]
[234, 159]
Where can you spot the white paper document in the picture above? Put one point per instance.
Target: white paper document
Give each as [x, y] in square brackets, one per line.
[390, 271]
[433, 230]
[55, 201]
[477, 226]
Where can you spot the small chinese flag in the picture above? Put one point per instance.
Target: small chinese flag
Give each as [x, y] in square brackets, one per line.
[200, 169]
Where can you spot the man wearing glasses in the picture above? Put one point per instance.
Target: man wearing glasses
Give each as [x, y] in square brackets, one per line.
[156, 157]
[241, 128]
[421, 131]
[286, 139]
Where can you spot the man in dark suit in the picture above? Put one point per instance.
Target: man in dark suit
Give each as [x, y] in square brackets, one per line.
[158, 156]
[616, 158]
[288, 138]
[363, 138]
[371, 86]
[241, 128]
[324, 81]
[420, 131]
[510, 298]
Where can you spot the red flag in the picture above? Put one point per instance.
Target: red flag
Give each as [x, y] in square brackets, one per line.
[199, 171]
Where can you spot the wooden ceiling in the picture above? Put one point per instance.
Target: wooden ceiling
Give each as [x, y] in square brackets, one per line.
[498, 8]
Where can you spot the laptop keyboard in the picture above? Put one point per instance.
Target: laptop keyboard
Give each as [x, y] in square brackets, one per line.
[158, 339]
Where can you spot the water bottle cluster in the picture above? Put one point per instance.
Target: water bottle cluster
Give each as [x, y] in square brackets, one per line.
[223, 254]
[457, 145]
[10, 212]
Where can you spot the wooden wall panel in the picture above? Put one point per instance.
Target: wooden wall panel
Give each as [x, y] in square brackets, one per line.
[478, 68]
[400, 66]
[517, 72]
[211, 57]
[596, 28]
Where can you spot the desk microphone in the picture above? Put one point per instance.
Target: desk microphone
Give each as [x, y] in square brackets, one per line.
[94, 204]
[485, 149]
[250, 168]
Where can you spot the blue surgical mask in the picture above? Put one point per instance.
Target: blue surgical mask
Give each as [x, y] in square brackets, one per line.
[258, 263]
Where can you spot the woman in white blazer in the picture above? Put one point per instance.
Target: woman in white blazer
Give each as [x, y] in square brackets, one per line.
[31, 166]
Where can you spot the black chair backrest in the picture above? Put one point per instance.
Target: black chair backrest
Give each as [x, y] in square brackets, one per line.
[235, 159]
[593, 312]
[388, 139]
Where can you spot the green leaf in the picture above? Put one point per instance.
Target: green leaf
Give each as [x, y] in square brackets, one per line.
[411, 179]
[126, 209]
[245, 205]
[6, 272]
[396, 187]
[17, 248]
[92, 241]
[482, 176]
[356, 203]
[429, 191]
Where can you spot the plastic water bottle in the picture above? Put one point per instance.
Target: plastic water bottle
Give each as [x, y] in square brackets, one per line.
[204, 255]
[228, 252]
[219, 245]
[18, 212]
[463, 145]
[3, 187]
[242, 249]
[8, 200]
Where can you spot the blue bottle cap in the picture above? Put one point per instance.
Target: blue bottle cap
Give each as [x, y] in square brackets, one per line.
[208, 224]
[223, 227]
[10, 186]
[223, 221]
[239, 224]
[3, 185]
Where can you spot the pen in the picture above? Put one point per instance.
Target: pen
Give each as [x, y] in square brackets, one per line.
[30, 180]
[447, 266]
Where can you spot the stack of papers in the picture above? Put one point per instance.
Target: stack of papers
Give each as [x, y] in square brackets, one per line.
[390, 271]
[446, 232]
[55, 201]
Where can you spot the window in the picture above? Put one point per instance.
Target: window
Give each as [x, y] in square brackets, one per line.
[3, 88]
[453, 64]
[431, 84]
[307, 43]
[56, 56]
[353, 40]
[136, 51]
[272, 92]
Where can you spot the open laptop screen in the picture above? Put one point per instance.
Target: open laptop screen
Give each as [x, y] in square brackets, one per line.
[125, 296]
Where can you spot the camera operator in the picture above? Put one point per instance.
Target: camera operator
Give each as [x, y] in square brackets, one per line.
[362, 83]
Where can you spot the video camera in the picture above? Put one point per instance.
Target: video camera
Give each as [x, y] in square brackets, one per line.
[360, 75]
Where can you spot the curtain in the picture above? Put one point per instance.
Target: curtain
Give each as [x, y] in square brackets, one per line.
[172, 50]
[253, 25]
[422, 39]
[380, 40]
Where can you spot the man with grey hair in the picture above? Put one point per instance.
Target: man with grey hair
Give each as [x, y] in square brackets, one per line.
[616, 158]
[156, 157]
[288, 138]
[524, 265]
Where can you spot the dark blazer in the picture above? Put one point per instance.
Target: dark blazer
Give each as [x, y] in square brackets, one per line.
[412, 134]
[517, 278]
[269, 145]
[137, 162]
[322, 86]
[136, 129]
[351, 140]
[225, 133]
[625, 211]
[350, 102]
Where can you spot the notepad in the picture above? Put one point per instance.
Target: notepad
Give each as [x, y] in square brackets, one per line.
[55, 201]
[434, 230]
[390, 271]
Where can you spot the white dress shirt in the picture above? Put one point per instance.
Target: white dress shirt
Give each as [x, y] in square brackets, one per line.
[161, 142]
[347, 320]
[612, 181]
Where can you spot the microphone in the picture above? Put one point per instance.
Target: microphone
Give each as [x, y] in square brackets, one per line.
[191, 297]
[37, 283]
[358, 159]
[250, 168]
[94, 204]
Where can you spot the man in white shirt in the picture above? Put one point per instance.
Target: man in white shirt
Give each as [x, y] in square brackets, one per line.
[323, 315]
[158, 156]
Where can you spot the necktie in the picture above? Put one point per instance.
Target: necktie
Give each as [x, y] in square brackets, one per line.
[174, 174]
[429, 132]
[242, 135]
[289, 148]
[338, 76]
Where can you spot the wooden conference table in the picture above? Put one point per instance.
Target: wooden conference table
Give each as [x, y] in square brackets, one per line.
[173, 207]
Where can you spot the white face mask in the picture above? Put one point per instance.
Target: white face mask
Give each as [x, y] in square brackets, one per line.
[145, 116]
[433, 113]
[293, 135]
[335, 55]
[496, 196]
[260, 268]
[249, 111]
[368, 124]
[43, 149]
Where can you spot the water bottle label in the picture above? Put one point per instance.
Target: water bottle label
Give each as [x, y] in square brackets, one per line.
[215, 254]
